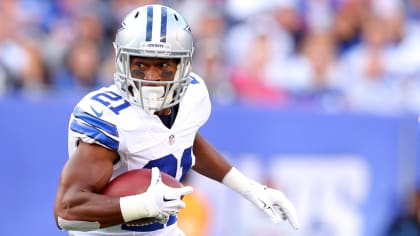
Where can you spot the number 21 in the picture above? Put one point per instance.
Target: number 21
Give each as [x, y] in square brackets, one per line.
[107, 97]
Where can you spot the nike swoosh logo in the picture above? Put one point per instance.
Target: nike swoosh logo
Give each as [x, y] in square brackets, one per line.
[167, 199]
[98, 114]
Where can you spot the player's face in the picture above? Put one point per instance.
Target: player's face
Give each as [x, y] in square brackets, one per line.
[153, 69]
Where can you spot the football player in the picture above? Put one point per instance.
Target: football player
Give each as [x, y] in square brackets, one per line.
[149, 118]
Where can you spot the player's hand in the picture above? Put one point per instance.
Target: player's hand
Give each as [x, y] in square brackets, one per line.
[167, 200]
[273, 203]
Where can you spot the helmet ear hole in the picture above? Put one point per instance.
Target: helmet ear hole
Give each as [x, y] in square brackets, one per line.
[137, 14]
[130, 90]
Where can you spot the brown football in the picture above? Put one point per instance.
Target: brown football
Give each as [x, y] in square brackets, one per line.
[134, 182]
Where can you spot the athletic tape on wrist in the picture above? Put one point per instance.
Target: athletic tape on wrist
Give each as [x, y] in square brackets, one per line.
[138, 206]
[237, 181]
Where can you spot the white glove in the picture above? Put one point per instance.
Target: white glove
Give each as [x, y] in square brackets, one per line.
[167, 199]
[271, 201]
[158, 201]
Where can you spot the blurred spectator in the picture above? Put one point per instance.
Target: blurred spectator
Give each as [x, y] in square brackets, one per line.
[209, 26]
[318, 49]
[365, 77]
[21, 58]
[393, 17]
[12, 58]
[280, 24]
[89, 25]
[249, 78]
[12, 53]
[346, 25]
[34, 77]
[286, 15]
[311, 74]
[81, 69]
[209, 62]
[376, 67]
[403, 57]
[317, 14]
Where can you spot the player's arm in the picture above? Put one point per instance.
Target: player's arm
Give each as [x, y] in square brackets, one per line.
[78, 203]
[210, 163]
[80, 206]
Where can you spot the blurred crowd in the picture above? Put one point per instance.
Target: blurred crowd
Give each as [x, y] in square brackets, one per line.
[332, 55]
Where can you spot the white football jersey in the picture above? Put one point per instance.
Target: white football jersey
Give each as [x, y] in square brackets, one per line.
[103, 117]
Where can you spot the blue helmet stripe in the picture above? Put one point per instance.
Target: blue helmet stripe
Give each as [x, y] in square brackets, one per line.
[95, 134]
[149, 25]
[95, 122]
[163, 24]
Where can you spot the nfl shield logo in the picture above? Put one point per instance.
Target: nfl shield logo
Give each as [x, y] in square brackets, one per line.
[171, 139]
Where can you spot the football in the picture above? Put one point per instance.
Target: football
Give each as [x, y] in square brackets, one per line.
[135, 182]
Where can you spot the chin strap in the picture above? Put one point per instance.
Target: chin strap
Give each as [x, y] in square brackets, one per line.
[153, 97]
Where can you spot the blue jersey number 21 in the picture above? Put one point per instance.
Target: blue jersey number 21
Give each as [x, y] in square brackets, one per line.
[108, 97]
[168, 164]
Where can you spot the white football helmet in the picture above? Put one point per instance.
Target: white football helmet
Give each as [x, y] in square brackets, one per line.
[153, 31]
